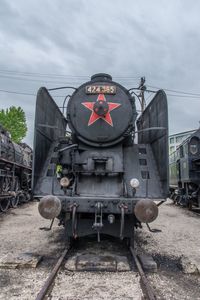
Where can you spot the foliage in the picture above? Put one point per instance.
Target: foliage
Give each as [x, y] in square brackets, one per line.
[13, 119]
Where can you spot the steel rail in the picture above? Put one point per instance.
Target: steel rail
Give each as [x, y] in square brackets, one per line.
[44, 290]
[149, 292]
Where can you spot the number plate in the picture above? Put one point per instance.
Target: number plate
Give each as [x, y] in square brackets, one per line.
[100, 89]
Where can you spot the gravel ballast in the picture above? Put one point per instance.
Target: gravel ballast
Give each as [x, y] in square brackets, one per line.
[177, 236]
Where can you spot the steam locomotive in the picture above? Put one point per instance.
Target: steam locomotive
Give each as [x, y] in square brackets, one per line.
[15, 171]
[88, 169]
[184, 170]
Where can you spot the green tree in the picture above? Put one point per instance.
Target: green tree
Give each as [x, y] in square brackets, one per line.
[13, 119]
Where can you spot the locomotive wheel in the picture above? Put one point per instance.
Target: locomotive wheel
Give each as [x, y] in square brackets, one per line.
[172, 196]
[4, 204]
[175, 199]
[198, 200]
[190, 205]
[22, 198]
[26, 198]
[14, 201]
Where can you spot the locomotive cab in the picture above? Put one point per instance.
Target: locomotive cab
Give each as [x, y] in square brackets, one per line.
[95, 178]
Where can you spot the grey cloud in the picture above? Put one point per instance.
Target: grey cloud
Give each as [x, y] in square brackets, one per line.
[158, 39]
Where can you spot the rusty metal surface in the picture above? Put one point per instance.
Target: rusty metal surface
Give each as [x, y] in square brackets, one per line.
[146, 211]
[49, 207]
[149, 292]
[52, 276]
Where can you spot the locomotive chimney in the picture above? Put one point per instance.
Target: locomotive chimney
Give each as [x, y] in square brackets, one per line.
[101, 77]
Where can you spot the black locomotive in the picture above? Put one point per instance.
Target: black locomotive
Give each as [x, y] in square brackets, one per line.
[87, 166]
[184, 170]
[15, 171]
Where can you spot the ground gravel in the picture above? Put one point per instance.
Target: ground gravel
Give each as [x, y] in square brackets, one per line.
[90, 285]
[20, 233]
[177, 234]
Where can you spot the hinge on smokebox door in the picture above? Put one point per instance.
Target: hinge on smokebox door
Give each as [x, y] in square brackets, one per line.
[98, 224]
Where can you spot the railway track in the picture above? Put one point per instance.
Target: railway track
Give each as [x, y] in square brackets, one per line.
[49, 281]
[146, 287]
[46, 289]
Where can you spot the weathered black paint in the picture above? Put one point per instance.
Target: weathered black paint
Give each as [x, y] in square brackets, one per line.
[184, 170]
[100, 160]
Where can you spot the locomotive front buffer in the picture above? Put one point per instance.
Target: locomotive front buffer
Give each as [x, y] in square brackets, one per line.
[95, 177]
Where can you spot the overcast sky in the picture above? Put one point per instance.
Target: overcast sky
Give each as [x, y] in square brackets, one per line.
[125, 38]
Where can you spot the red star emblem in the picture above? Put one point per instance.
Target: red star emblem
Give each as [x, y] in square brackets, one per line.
[100, 110]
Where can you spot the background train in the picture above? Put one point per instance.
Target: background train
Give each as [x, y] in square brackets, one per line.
[15, 171]
[99, 168]
[184, 170]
